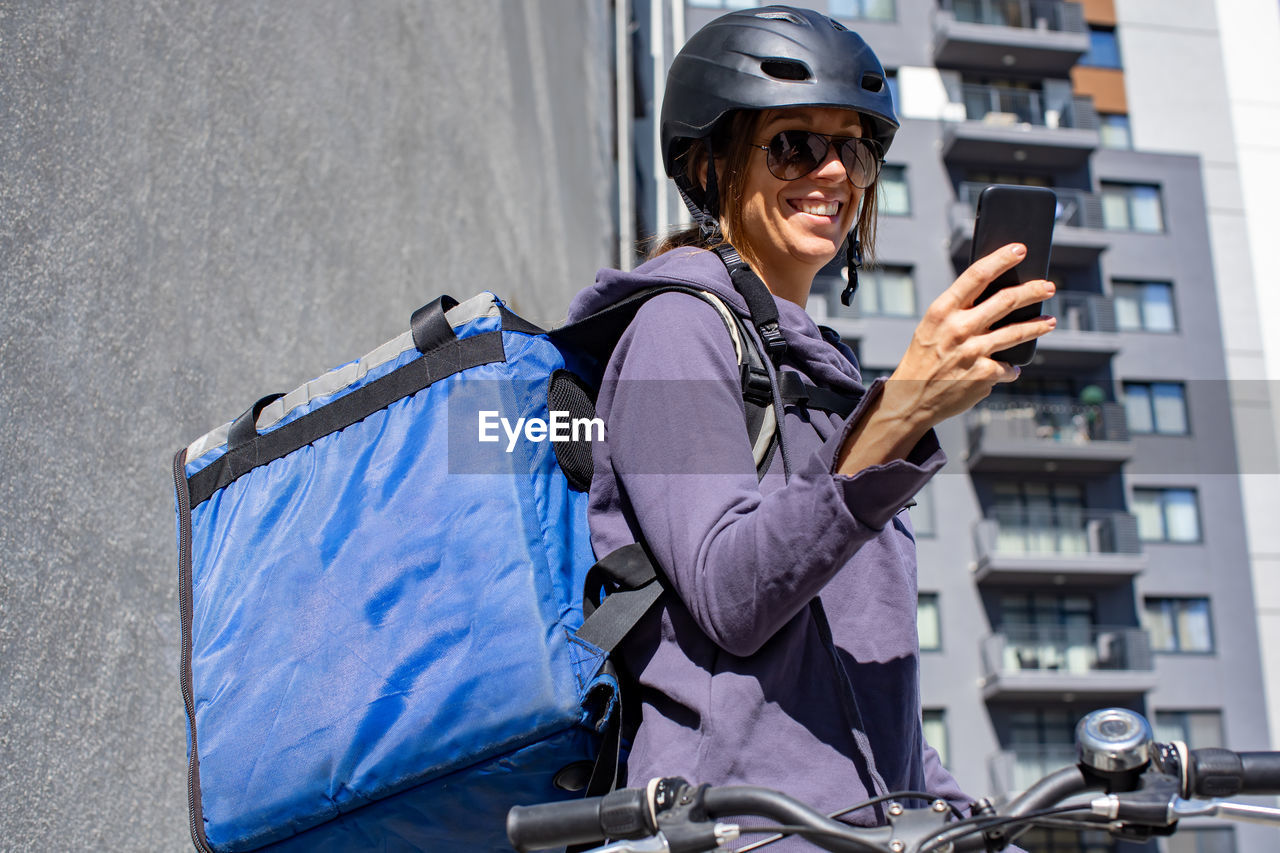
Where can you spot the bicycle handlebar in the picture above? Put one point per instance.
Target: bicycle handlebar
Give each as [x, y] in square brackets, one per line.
[1149, 787]
[621, 814]
[1223, 773]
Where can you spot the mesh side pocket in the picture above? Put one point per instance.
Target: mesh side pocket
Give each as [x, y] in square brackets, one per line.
[568, 393]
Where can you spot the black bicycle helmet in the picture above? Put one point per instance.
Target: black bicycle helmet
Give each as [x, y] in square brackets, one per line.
[776, 56]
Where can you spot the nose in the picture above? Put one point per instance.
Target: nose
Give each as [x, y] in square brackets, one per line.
[832, 167]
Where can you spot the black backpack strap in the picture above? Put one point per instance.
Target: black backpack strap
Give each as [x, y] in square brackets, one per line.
[620, 589]
[793, 389]
[764, 311]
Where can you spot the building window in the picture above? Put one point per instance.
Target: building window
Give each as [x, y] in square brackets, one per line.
[1179, 625]
[922, 517]
[935, 733]
[724, 4]
[892, 197]
[1104, 49]
[1114, 128]
[882, 292]
[1041, 741]
[1144, 306]
[1039, 518]
[1132, 207]
[1197, 729]
[1067, 841]
[1156, 407]
[1217, 839]
[1167, 515]
[928, 622]
[865, 10]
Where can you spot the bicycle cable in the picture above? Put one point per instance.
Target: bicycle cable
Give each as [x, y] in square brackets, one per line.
[984, 823]
[865, 804]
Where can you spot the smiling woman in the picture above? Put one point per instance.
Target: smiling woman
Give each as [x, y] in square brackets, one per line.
[784, 651]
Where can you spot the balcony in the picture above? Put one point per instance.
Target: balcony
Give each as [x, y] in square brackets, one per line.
[1052, 662]
[1078, 236]
[1028, 436]
[1064, 546]
[1045, 37]
[1014, 771]
[1086, 334]
[1003, 125]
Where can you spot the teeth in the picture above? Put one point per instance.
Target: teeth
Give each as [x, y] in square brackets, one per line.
[820, 208]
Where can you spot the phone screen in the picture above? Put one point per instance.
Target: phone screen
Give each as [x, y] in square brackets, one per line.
[1015, 214]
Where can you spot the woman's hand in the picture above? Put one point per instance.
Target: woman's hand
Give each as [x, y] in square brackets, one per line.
[948, 367]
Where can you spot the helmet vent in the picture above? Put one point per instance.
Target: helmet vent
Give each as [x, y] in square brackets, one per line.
[836, 25]
[782, 16]
[786, 69]
[872, 82]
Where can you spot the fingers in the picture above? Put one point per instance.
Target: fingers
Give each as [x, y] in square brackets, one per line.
[1010, 299]
[1009, 336]
[974, 280]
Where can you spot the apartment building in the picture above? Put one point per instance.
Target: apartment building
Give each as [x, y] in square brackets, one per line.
[1086, 545]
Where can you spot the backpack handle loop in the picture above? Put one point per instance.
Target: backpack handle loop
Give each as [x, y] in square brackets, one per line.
[430, 327]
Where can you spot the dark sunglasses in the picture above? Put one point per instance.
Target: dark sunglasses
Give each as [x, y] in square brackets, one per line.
[792, 154]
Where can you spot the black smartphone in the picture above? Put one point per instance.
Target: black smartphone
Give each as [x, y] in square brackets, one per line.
[1015, 214]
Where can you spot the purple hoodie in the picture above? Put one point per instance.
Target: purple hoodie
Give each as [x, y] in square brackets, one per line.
[737, 683]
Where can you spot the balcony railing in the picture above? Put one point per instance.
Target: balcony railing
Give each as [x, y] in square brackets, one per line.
[1028, 14]
[1076, 208]
[1021, 531]
[1030, 419]
[1082, 312]
[1066, 650]
[997, 105]
[1014, 771]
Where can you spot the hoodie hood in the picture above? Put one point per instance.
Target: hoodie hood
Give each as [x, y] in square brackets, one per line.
[808, 351]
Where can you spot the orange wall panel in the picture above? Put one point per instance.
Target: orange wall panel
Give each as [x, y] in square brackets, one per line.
[1105, 85]
[1102, 12]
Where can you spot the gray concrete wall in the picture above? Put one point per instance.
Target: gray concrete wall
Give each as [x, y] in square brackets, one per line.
[201, 203]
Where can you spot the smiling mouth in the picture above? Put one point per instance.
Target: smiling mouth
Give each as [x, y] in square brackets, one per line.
[816, 208]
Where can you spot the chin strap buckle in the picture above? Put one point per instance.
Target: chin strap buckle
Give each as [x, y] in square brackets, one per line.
[852, 262]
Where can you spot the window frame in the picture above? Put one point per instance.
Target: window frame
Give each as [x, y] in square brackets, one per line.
[1143, 287]
[1130, 191]
[1164, 492]
[1154, 409]
[1108, 124]
[872, 279]
[1186, 726]
[939, 716]
[1109, 56]
[1174, 606]
[933, 597]
[861, 14]
[899, 169]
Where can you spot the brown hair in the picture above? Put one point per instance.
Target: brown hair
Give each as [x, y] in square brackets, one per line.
[732, 140]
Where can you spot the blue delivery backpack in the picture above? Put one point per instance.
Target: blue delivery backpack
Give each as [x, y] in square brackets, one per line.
[383, 591]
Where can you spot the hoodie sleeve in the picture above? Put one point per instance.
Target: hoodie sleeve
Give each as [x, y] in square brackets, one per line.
[743, 562]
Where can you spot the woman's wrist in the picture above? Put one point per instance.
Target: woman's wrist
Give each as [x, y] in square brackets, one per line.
[889, 428]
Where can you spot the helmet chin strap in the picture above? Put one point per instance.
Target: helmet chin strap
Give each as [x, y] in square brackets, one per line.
[852, 262]
[707, 214]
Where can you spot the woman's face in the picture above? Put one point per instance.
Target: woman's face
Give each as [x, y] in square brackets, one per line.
[794, 228]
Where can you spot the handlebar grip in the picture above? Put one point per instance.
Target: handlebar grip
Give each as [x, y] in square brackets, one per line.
[1261, 772]
[620, 814]
[1223, 773]
[550, 825]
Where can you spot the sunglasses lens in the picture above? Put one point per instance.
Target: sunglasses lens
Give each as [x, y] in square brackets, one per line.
[795, 153]
[861, 160]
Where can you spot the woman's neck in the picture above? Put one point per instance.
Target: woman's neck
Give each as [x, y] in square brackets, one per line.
[792, 285]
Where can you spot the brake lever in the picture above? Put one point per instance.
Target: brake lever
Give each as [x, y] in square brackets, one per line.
[1181, 808]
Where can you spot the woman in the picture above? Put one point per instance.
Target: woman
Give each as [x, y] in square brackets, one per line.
[785, 652]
